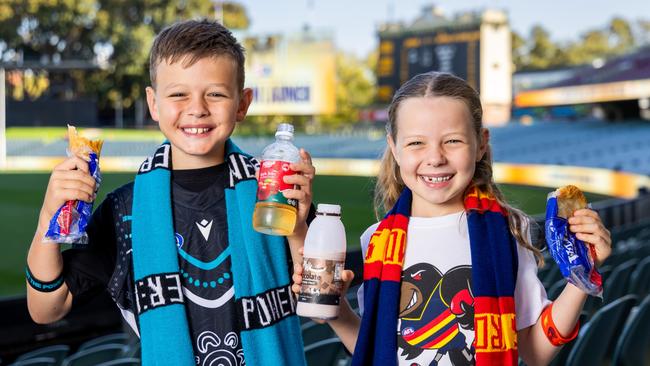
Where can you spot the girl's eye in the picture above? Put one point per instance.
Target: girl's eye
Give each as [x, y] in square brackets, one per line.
[414, 143]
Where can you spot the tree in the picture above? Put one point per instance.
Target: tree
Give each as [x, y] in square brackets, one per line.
[114, 34]
[355, 89]
[542, 49]
[519, 51]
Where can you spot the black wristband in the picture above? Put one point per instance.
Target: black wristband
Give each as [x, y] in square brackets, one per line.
[41, 286]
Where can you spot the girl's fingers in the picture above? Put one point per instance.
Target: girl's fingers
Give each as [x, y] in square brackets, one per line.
[593, 239]
[585, 228]
[586, 212]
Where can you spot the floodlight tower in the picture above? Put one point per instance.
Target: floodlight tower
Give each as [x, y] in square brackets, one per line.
[3, 122]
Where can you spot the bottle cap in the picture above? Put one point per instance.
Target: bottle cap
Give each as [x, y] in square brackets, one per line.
[284, 129]
[328, 210]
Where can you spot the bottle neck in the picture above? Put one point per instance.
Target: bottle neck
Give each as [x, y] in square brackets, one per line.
[284, 138]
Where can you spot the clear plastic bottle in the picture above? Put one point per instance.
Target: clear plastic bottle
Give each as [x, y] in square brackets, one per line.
[274, 214]
[323, 264]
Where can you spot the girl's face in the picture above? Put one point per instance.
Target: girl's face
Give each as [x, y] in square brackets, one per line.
[436, 148]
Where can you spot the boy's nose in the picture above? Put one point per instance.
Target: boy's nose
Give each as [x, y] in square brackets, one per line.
[197, 109]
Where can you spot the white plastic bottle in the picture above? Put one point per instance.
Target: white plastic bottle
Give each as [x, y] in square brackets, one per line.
[274, 214]
[323, 264]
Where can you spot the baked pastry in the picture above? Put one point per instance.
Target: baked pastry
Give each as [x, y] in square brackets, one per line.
[569, 199]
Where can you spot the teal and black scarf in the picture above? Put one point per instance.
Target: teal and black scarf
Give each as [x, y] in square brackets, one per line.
[270, 330]
[494, 270]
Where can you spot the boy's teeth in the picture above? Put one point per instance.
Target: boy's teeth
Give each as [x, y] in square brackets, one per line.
[196, 131]
[436, 179]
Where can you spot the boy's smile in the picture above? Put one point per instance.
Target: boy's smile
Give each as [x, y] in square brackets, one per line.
[436, 149]
[197, 107]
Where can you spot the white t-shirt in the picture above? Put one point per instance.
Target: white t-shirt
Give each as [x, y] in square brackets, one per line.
[438, 262]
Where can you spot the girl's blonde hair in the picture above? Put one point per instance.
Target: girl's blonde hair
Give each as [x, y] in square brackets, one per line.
[389, 182]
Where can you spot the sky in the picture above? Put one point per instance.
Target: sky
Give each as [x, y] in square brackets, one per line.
[354, 22]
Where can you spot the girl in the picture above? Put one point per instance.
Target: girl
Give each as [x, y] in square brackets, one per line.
[450, 272]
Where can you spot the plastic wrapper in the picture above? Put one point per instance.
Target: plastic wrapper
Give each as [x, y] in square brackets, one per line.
[68, 225]
[573, 256]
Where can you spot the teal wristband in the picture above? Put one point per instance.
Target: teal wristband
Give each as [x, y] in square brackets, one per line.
[41, 286]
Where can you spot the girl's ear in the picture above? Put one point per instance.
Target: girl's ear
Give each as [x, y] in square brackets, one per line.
[483, 144]
[393, 149]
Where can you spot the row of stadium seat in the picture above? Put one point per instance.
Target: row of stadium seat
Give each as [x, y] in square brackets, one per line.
[615, 330]
[619, 146]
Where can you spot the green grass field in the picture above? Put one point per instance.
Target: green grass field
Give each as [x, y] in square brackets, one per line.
[21, 196]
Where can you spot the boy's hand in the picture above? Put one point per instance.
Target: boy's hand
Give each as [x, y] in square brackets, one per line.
[303, 179]
[69, 181]
[588, 227]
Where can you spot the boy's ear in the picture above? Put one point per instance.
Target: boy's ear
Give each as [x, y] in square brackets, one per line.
[151, 102]
[484, 142]
[391, 145]
[244, 102]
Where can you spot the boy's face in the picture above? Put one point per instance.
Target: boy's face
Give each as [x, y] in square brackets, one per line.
[197, 107]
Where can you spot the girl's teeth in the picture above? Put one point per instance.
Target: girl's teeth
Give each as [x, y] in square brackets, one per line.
[436, 179]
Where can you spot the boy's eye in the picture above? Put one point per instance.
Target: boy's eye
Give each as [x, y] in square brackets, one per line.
[217, 95]
[176, 95]
[453, 141]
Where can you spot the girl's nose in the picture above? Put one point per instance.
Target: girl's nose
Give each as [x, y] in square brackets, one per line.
[436, 157]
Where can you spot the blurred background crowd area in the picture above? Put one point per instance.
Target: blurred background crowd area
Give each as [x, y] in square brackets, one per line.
[567, 109]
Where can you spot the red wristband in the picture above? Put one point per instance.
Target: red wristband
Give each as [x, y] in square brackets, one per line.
[551, 331]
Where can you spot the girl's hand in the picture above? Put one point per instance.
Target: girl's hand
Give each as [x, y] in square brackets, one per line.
[303, 179]
[588, 227]
[347, 276]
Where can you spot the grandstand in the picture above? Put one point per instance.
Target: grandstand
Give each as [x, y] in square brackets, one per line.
[612, 325]
[622, 146]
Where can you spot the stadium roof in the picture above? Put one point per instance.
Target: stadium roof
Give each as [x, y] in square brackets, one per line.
[623, 78]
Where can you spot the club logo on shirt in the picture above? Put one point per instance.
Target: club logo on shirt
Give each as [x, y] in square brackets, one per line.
[179, 240]
[204, 227]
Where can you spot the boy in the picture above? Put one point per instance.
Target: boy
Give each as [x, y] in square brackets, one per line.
[176, 249]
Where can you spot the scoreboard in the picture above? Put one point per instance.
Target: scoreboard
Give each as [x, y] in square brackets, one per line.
[406, 54]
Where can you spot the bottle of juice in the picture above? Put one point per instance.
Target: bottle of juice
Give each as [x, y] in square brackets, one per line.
[274, 214]
[323, 264]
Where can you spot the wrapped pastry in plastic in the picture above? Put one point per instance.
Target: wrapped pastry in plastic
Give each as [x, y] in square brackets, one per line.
[68, 225]
[574, 257]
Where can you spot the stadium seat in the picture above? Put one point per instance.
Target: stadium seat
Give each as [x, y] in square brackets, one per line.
[128, 361]
[37, 361]
[633, 347]
[313, 332]
[115, 338]
[324, 353]
[616, 284]
[640, 278]
[58, 352]
[555, 290]
[561, 358]
[596, 340]
[132, 350]
[95, 355]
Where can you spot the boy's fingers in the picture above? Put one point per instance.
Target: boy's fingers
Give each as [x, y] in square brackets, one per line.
[305, 156]
[73, 163]
[296, 194]
[297, 179]
[73, 195]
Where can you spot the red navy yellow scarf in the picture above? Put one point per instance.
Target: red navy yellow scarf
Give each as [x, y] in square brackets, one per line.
[494, 270]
